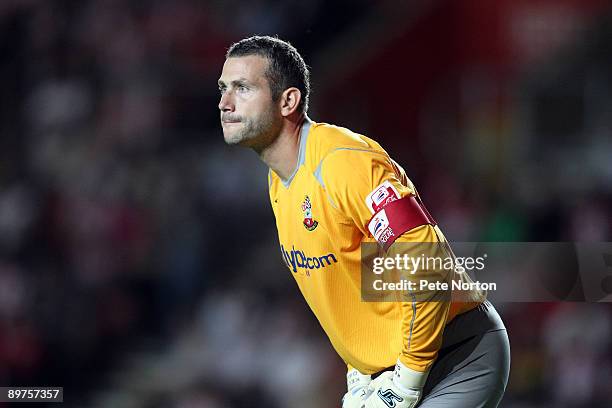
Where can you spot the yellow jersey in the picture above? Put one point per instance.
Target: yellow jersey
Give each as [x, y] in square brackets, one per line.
[323, 212]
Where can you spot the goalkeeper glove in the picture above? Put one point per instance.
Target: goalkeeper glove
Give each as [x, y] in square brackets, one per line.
[401, 389]
[357, 386]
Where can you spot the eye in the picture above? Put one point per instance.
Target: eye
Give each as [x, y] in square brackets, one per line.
[221, 90]
[242, 88]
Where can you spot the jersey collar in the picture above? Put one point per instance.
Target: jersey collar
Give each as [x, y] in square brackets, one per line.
[301, 152]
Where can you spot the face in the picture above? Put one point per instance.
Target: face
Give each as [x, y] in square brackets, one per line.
[249, 116]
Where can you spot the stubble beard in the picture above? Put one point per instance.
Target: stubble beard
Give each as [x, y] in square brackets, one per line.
[257, 133]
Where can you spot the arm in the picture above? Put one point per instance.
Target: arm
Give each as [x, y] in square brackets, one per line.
[424, 315]
[423, 321]
[373, 185]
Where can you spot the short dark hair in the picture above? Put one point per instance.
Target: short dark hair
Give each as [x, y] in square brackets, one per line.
[286, 67]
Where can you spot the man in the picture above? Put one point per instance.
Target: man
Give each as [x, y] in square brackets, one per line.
[331, 191]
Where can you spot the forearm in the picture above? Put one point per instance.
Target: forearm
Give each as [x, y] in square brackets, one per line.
[424, 311]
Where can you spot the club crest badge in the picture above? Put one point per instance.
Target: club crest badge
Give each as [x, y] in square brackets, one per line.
[309, 222]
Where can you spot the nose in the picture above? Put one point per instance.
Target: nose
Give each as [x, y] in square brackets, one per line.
[226, 103]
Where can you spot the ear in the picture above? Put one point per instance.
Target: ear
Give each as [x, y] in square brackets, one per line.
[290, 100]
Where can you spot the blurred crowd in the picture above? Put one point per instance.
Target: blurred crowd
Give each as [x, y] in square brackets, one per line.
[139, 265]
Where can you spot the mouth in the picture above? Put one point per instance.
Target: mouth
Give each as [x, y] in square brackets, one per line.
[228, 126]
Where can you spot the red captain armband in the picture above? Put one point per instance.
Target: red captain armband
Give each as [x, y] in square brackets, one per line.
[398, 217]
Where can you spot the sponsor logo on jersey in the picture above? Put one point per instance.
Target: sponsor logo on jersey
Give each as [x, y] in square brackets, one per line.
[381, 196]
[309, 222]
[389, 397]
[379, 227]
[296, 259]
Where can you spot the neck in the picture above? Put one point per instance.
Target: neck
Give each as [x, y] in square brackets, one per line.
[281, 156]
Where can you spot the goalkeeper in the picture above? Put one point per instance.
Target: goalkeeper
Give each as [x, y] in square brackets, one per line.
[331, 191]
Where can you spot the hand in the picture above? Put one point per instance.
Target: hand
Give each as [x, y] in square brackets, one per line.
[357, 386]
[384, 393]
[399, 389]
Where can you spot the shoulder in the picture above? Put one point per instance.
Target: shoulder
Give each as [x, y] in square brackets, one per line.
[325, 139]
